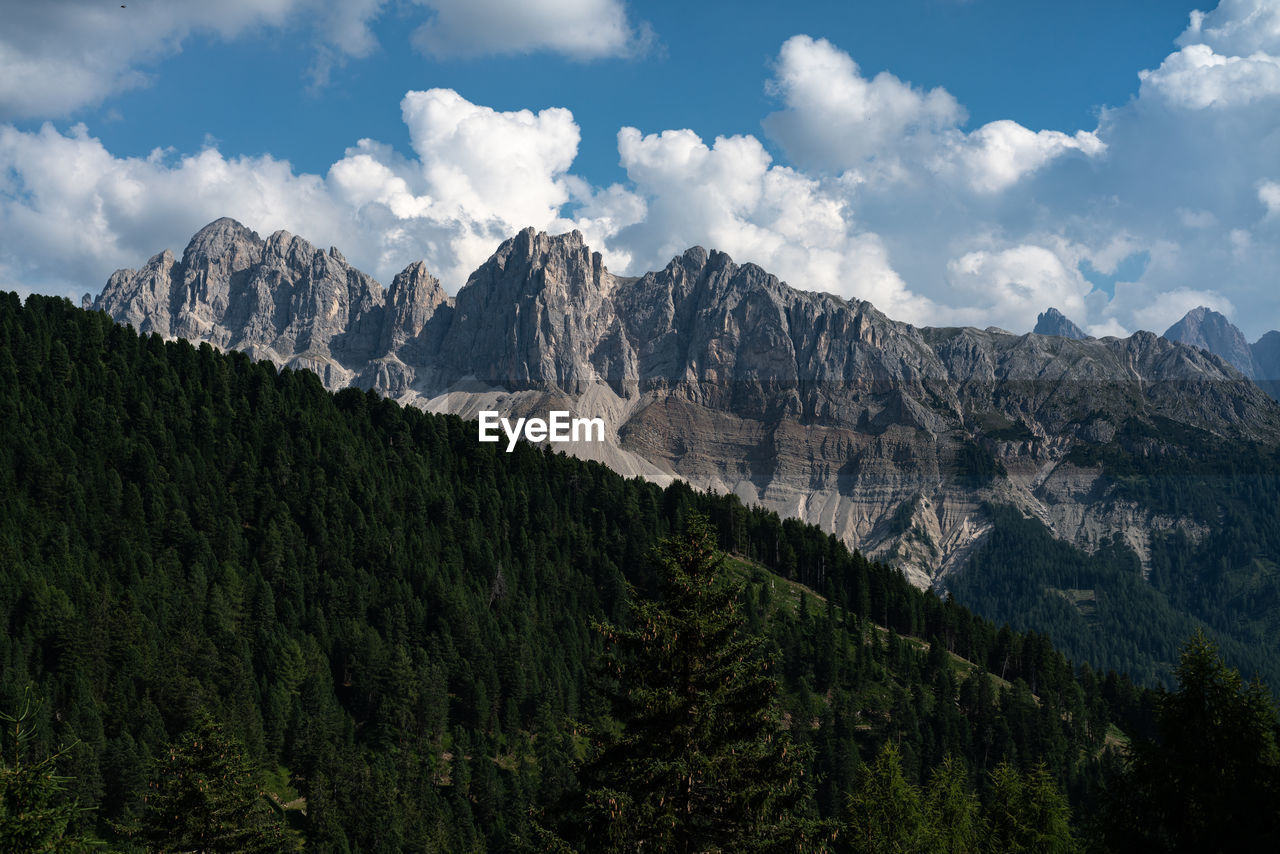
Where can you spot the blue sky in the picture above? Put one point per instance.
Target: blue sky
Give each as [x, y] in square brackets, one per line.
[953, 162]
[1010, 59]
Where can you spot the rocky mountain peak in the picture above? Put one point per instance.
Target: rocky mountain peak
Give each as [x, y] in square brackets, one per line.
[1207, 329]
[412, 300]
[1266, 353]
[533, 314]
[226, 242]
[694, 258]
[535, 261]
[144, 298]
[1053, 322]
[718, 373]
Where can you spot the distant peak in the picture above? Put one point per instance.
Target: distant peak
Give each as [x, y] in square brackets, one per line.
[223, 226]
[1200, 317]
[1053, 322]
[218, 238]
[1209, 330]
[413, 282]
[222, 223]
[696, 254]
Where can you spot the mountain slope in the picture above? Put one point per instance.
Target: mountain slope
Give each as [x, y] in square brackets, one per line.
[1266, 355]
[396, 619]
[722, 375]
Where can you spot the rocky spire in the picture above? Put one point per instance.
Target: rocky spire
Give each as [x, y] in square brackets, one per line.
[1207, 329]
[1054, 322]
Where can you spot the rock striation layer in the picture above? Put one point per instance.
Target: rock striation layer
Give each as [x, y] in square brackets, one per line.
[889, 436]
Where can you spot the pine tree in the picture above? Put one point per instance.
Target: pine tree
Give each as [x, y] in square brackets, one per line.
[952, 811]
[1210, 781]
[885, 815]
[1027, 813]
[699, 760]
[203, 796]
[35, 812]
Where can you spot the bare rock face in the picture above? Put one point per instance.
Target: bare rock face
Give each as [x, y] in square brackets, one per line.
[720, 374]
[533, 316]
[1054, 322]
[1266, 358]
[412, 300]
[142, 298]
[1207, 329]
[281, 299]
[1260, 361]
[1266, 355]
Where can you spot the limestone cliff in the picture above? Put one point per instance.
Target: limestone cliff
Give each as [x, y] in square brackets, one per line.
[892, 437]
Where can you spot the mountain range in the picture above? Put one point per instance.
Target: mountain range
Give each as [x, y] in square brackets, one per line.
[1208, 330]
[897, 439]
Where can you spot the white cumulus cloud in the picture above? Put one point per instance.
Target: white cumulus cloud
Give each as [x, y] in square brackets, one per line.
[1197, 78]
[1236, 27]
[70, 211]
[59, 57]
[999, 154]
[888, 131]
[729, 196]
[581, 29]
[835, 119]
[481, 173]
[1010, 287]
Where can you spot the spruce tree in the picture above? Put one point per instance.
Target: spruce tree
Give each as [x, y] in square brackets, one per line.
[1210, 780]
[36, 814]
[699, 759]
[203, 796]
[1027, 812]
[885, 814]
[952, 811]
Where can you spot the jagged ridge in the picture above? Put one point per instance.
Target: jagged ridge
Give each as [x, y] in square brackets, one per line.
[719, 373]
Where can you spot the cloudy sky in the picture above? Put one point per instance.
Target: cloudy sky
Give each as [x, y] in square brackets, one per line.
[953, 161]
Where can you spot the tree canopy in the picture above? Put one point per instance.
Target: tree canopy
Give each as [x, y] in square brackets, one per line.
[1209, 780]
[699, 759]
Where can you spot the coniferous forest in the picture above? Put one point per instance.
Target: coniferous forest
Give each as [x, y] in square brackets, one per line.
[244, 614]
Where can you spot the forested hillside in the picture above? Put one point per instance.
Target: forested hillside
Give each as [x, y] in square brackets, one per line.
[1223, 578]
[395, 622]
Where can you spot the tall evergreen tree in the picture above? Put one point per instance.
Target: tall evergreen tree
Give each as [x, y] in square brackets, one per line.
[36, 813]
[1210, 780]
[952, 811]
[1027, 812]
[700, 760]
[885, 814]
[204, 797]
